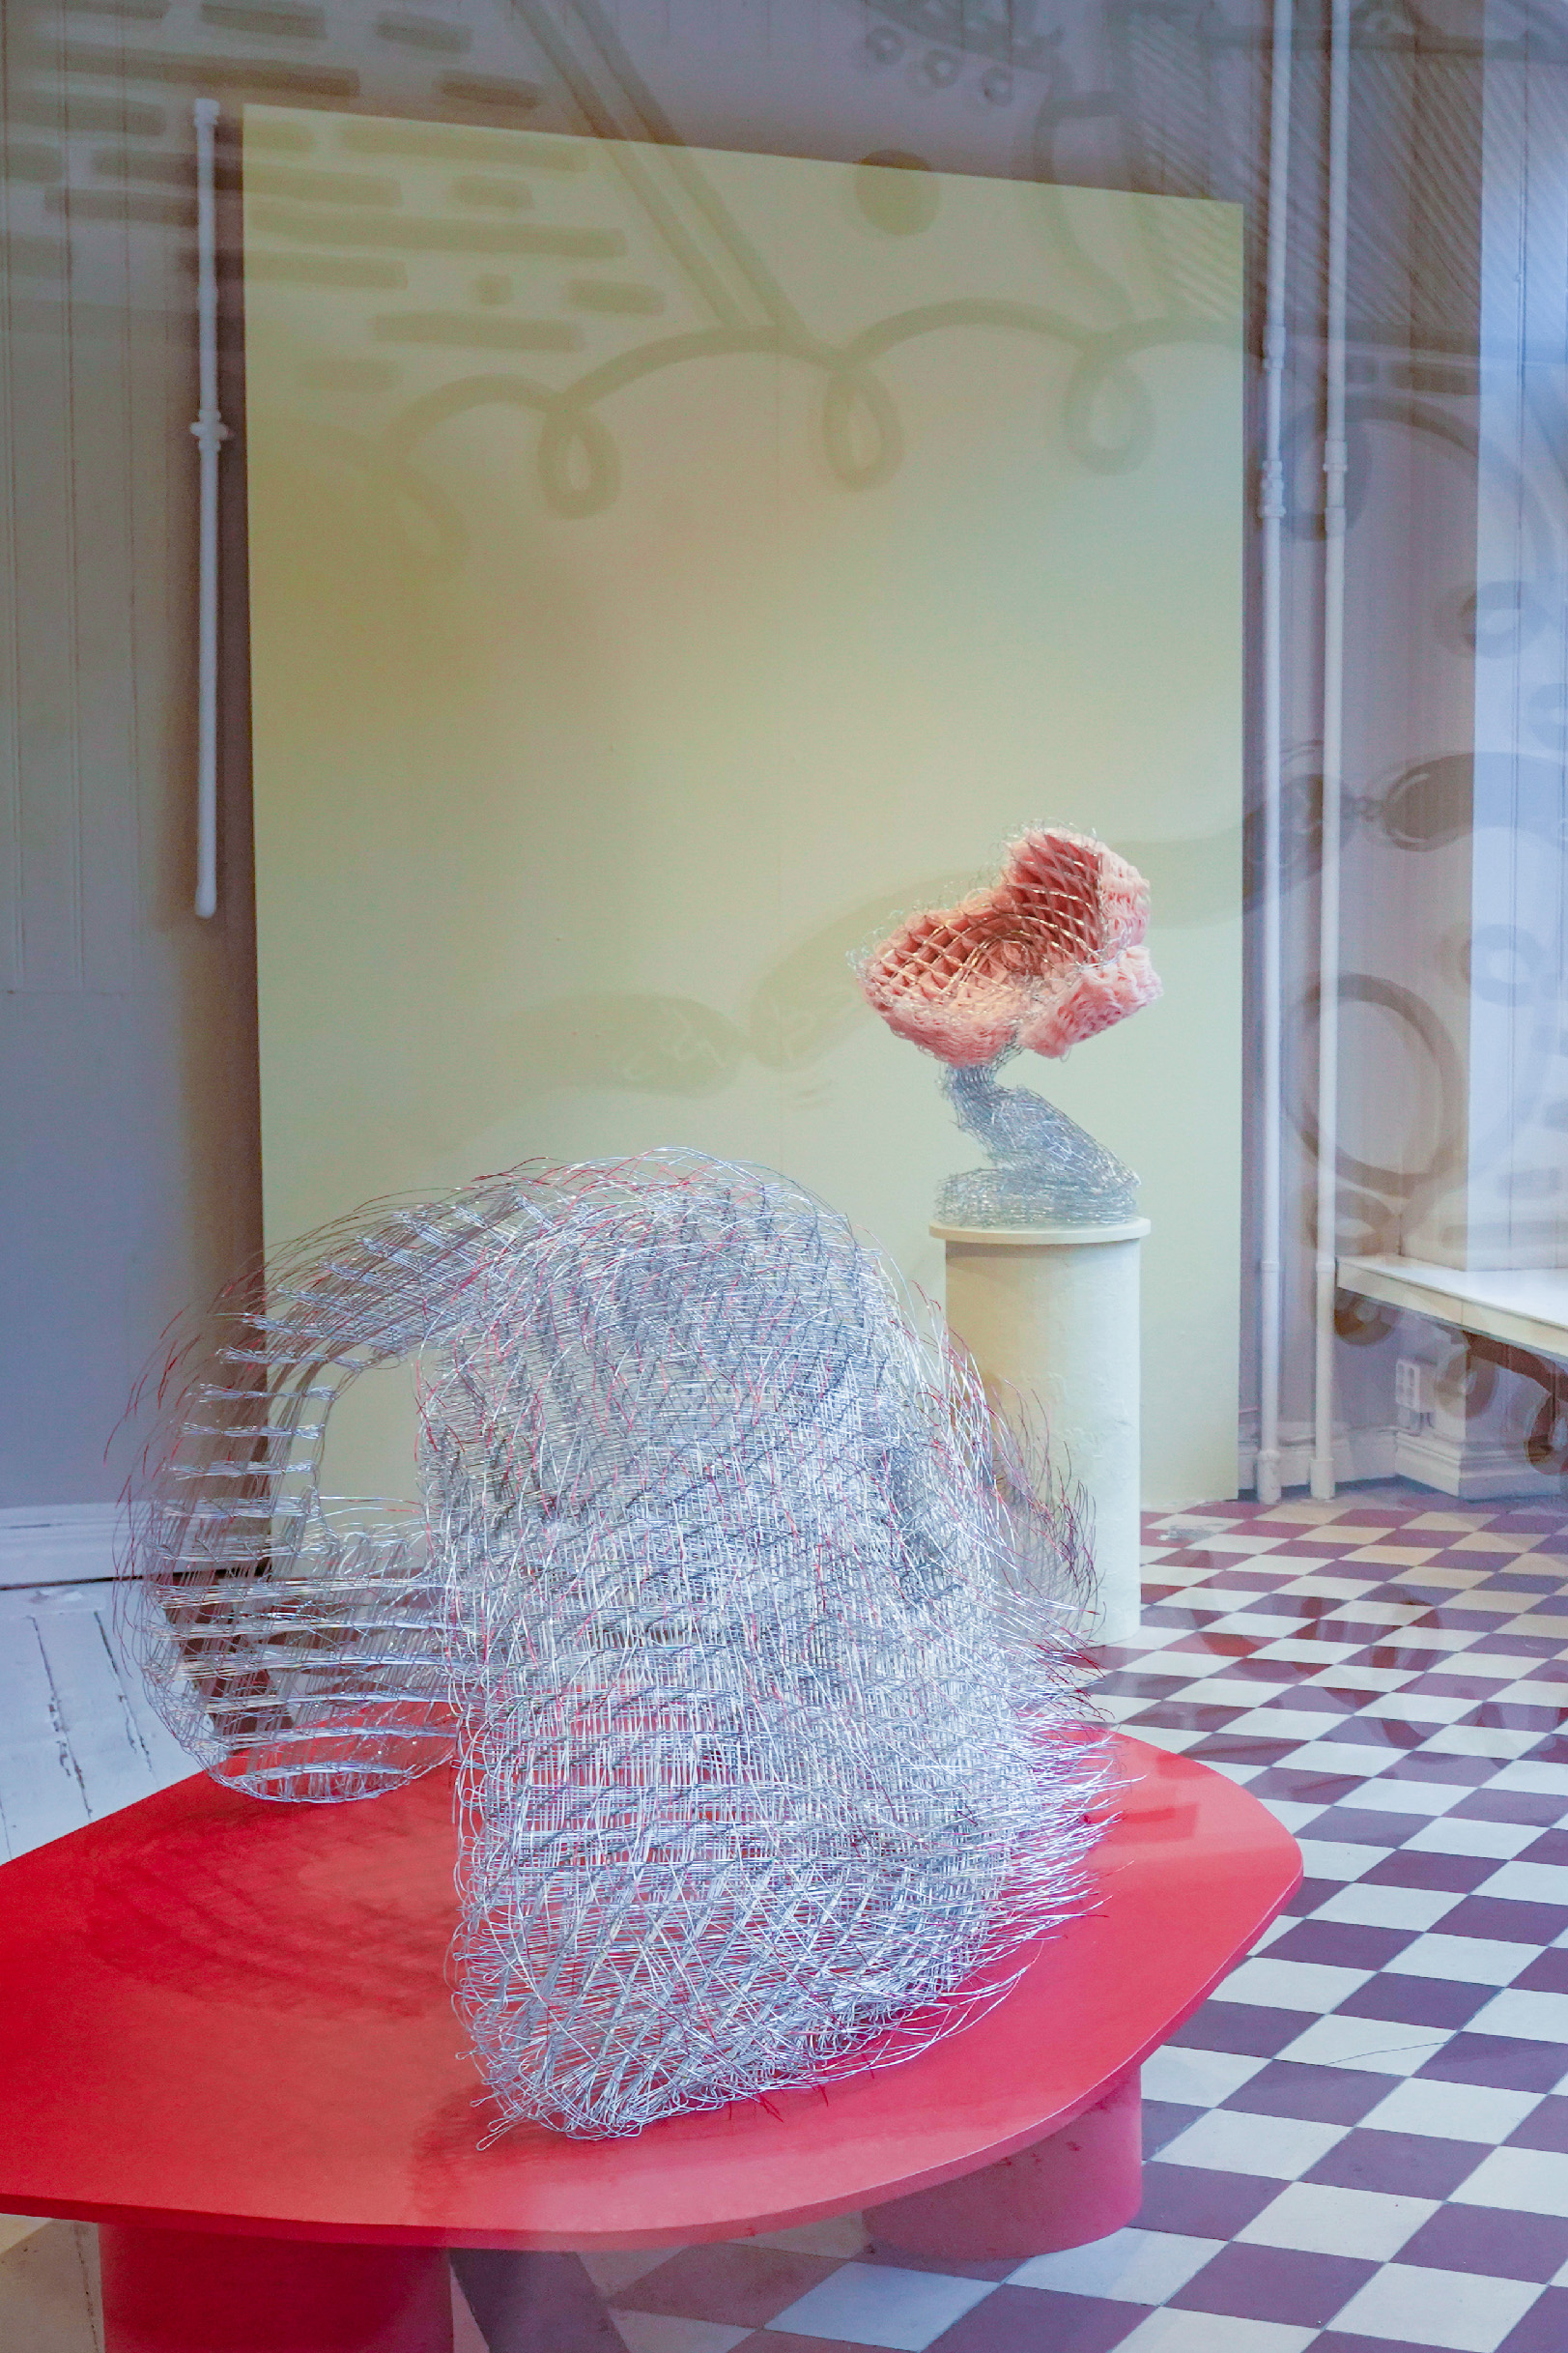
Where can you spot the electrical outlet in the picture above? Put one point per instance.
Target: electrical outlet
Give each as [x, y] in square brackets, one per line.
[1413, 1388]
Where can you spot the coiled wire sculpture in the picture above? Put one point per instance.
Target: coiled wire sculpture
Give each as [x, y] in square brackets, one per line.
[1049, 955]
[731, 1599]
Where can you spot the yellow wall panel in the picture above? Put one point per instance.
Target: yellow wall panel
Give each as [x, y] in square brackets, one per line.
[665, 568]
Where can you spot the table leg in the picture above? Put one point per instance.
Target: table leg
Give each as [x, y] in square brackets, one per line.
[193, 2292]
[534, 2303]
[1080, 2184]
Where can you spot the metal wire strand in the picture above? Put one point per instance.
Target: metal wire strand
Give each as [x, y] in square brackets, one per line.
[743, 1621]
[1044, 1169]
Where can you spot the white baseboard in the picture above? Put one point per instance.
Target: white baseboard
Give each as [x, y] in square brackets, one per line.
[1475, 1472]
[57, 1543]
[1357, 1454]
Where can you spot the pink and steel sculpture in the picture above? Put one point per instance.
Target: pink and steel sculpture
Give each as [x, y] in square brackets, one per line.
[728, 1594]
[1049, 954]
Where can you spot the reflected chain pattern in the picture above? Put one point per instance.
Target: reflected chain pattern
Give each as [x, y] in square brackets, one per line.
[743, 1619]
[1051, 954]
[743, 305]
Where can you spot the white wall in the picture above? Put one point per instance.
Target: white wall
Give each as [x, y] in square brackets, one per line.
[128, 1117]
[129, 1180]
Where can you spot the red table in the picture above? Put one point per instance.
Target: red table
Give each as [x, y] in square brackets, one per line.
[221, 2017]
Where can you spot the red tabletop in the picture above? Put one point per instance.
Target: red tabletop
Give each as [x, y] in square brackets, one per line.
[217, 2013]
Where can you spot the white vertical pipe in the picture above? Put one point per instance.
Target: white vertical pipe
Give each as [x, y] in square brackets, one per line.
[1333, 745]
[1271, 513]
[211, 434]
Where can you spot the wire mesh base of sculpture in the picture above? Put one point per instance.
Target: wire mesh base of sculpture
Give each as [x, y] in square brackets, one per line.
[1044, 1169]
[1049, 954]
[729, 1598]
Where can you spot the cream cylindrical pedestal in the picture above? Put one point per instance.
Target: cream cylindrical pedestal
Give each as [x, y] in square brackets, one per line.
[1052, 1312]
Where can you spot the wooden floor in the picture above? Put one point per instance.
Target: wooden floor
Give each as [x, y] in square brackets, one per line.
[49, 2287]
[78, 1736]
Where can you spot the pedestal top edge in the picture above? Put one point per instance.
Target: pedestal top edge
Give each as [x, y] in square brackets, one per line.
[1042, 1237]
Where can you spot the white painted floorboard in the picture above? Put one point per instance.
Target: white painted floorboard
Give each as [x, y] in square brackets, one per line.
[78, 1736]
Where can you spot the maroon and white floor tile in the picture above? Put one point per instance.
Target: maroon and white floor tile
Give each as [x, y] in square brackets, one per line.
[1361, 2142]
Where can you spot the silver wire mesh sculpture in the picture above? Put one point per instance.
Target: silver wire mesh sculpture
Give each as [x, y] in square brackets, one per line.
[731, 1599]
[1044, 1169]
[1051, 954]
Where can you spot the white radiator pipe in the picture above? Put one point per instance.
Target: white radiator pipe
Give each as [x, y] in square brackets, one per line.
[211, 434]
[1271, 513]
[1334, 461]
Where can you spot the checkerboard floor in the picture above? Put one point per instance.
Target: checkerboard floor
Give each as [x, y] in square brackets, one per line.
[1362, 2141]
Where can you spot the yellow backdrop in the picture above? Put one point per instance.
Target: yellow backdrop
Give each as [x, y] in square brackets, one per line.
[665, 567]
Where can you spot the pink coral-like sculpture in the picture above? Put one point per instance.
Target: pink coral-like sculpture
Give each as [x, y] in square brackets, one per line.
[1050, 954]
